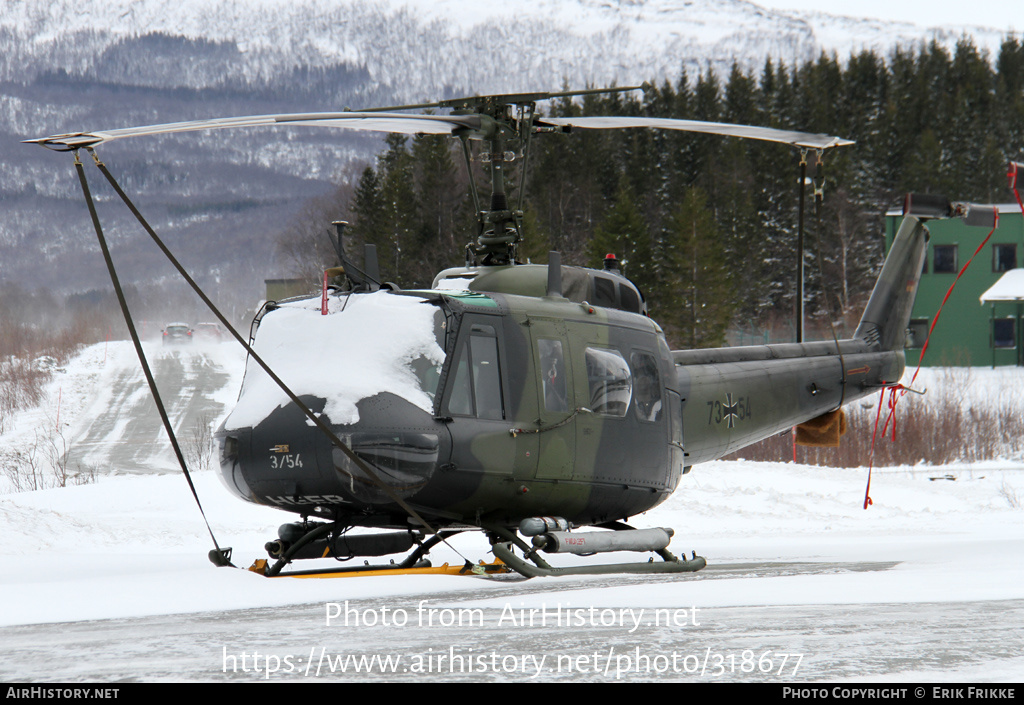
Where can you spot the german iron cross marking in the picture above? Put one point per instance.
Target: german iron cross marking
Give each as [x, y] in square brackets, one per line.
[730, 410]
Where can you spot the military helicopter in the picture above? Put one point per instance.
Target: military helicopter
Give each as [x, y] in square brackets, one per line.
[527, 401]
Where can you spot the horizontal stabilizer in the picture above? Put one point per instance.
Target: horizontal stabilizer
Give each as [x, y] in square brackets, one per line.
[925, 206]
[978, 214]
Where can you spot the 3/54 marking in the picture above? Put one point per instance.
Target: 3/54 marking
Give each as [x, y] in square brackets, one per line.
[286, 460]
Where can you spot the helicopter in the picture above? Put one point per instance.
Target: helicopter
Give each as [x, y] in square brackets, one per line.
[539, 404]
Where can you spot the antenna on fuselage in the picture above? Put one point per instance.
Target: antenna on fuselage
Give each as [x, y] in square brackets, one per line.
[554, 273]
[367, 277]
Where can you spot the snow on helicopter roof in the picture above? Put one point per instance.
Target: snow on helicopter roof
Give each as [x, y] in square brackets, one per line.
[363, 347]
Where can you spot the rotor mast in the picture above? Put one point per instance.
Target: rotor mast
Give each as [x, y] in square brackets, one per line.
[506, 124]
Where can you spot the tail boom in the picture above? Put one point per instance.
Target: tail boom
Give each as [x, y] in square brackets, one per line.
[733, 397]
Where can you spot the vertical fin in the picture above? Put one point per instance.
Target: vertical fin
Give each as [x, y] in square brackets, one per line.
[887, 314]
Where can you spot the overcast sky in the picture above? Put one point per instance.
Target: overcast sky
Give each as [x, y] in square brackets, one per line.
[998, 14]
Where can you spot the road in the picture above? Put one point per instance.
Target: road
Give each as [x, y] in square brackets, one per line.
[127, 433]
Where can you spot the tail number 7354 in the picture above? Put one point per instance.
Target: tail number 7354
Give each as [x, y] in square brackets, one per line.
[730, 411]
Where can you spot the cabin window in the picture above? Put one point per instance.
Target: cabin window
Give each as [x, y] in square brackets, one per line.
[646, 386]
[552, 366]
[1004, 258]
[611, 385]
[1004, 334]
[944, 259]
[476, 390]
[630, 301]
[604, 292]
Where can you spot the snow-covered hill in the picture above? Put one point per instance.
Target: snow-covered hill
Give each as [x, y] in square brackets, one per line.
[430, 49]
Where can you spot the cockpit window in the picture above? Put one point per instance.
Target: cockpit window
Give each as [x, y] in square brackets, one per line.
[486, 382]
[476, 389]
[428, 371]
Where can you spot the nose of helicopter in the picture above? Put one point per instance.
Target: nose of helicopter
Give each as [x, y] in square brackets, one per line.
[286, 461]
[374, 388]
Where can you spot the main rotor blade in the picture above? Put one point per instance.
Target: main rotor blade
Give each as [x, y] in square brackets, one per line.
[405, 123]
[798, 139]
[374, 122]
[480, 101]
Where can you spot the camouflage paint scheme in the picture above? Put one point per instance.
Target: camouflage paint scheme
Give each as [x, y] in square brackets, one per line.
[524, 460]
[557, 394]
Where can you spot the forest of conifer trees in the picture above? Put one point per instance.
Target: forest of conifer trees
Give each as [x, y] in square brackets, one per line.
[706, 226]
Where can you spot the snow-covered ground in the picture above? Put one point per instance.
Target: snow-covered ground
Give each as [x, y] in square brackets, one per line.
[110, 580]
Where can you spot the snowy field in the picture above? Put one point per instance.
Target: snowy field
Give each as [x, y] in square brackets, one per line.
[110, 581]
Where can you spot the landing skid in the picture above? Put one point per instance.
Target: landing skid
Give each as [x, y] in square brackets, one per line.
[421, 568]
[504, 543]
[503, 540]
[540, 568]
[414, 561]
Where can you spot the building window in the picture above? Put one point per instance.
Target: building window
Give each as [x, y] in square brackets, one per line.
[1004, 258]
[917, 332]
[1004, 333]
[944, 259]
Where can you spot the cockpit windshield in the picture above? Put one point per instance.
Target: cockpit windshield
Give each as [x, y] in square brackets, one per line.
[368, 344]
[427, 368]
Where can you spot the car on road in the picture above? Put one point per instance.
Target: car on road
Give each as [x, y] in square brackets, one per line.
[210, 331]
[177, 334]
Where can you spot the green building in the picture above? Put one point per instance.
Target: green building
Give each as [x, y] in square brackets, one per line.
[969, 332]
